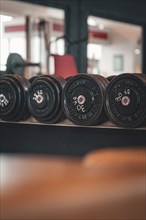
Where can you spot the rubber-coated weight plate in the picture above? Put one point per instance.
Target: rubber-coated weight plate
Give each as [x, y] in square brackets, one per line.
[8, 98]
[83, 99]
[44, 99]
[15, 64]
[32, 79]
[13, 98]
[126, 100]
[109, 78]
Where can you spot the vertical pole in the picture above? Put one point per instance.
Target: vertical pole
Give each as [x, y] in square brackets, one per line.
[28, 38]
[144, 50]
[47, 32]
[71, 30]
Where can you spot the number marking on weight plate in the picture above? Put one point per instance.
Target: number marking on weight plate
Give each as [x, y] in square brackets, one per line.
[123, 97]
[38, 96]
[3, 101]
[119, 97]
[79, 101]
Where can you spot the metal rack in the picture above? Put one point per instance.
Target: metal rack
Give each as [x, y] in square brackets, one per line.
[65, 138]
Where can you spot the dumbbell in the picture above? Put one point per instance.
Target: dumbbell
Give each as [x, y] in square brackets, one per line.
[16, 65]
[83, 99]
[44, 98]
[13, 98]
[125, 101]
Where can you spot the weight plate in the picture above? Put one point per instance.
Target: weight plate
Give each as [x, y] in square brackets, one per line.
[32, 79]
[13, 95]
[68, 78]
[2, 73]
[44, 99]
[15, 64]
[24, 85]
[83, 99]
[8, 97]
[109, 78]
[126, 100]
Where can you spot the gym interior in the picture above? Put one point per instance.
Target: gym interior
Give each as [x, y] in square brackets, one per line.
[73, 109]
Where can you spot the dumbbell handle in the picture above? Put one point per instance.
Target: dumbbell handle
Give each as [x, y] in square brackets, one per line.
[27, 64]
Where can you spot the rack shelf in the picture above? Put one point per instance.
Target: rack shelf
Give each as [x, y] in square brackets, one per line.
[65, 138]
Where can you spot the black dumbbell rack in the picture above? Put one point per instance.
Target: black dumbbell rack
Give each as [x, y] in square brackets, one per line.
[66, 138]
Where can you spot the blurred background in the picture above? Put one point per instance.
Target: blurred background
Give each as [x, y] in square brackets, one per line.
[101, 41]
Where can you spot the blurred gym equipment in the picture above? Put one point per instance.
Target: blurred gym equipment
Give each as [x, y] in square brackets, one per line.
[16, 65]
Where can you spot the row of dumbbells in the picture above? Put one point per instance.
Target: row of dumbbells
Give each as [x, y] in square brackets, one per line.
[84, 99]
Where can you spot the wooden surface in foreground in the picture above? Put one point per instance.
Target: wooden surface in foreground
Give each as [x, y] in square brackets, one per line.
[104, 185]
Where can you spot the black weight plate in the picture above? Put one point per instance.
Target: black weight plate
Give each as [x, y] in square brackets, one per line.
[10, 90]
[126, 100]
[13, 98]
[24, 86]
[61, 82]
[2, 73]
[68, 78]
[32, 78]
[44, 99]
[83, 99]
[15, 64]
[8, 98]
[109, 78]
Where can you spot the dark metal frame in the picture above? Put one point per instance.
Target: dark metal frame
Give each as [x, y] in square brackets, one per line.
[61, 139]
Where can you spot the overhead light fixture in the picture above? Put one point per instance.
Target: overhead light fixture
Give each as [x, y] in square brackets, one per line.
[137, 51]
[91, 22]
[5, 18]
[101, 26]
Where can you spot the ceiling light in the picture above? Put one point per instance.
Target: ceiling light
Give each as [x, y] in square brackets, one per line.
[91, 22]
[101, 26]
[137, 51]
[5, 18]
